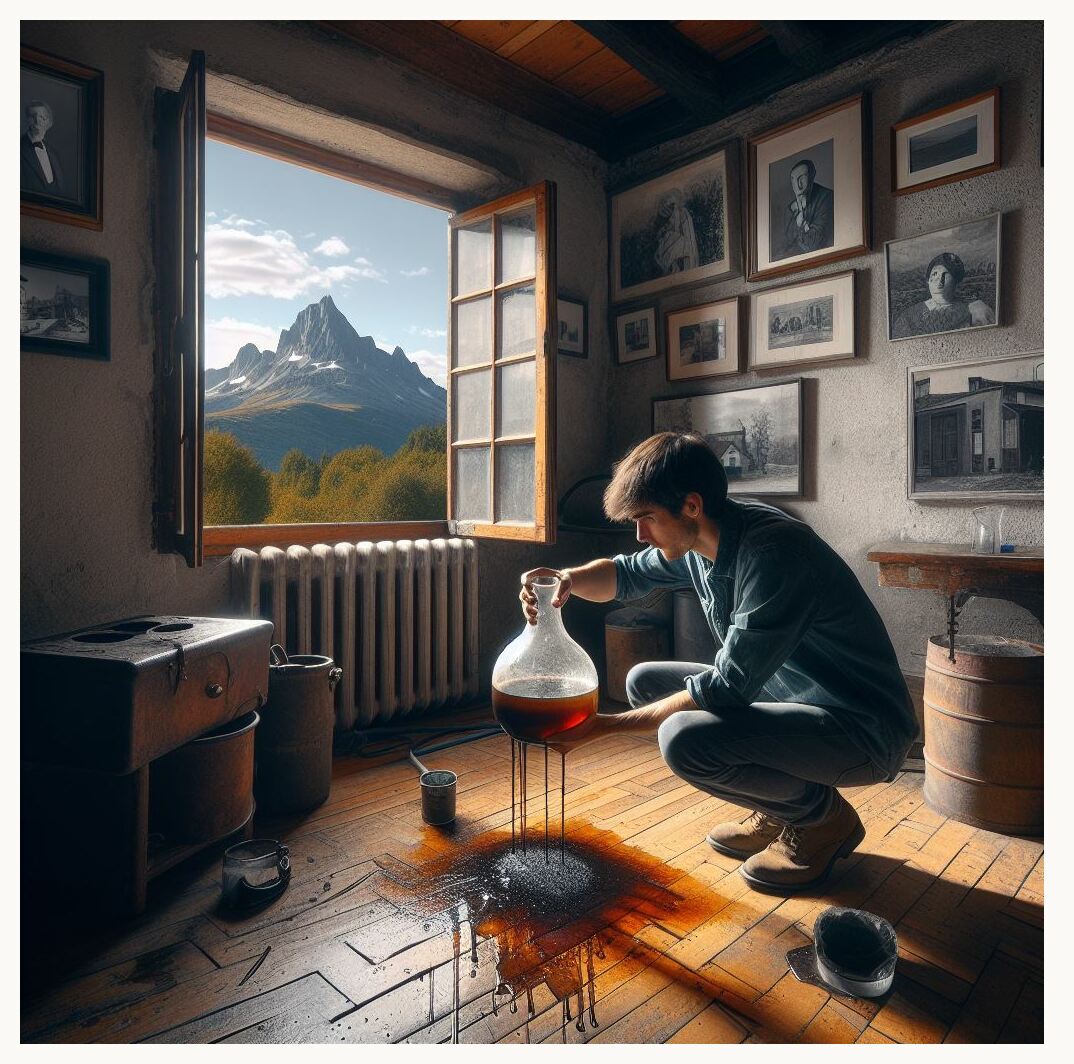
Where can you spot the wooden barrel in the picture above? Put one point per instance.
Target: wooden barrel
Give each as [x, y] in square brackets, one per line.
[984, 733]
[626, 644]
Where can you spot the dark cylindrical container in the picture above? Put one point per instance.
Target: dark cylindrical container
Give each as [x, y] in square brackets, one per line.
[693, 637]
[438, 796]
[984, 733]
[294, 742]
[204, 790]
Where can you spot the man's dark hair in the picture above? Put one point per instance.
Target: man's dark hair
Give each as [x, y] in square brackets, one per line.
[662, 471]
[809, 165]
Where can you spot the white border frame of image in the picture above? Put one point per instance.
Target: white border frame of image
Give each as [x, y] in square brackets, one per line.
[583, 327]
[957, 169]
[951, 496]
[701, 370]
[653, 350]
[756, 332]
[998, 215]
[731, 152]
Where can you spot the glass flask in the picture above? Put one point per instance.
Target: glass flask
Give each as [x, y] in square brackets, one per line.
[988, 529]
[543, 682]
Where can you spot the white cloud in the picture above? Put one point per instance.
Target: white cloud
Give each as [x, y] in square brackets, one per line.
[309, 236]
[432, 364]
[333, 247]
[210, 214]
[429, 334]
[224, 337]
[237, 222]
[268, 264]
[421, 271]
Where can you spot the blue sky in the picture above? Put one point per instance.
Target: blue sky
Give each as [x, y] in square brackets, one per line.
[279, 237]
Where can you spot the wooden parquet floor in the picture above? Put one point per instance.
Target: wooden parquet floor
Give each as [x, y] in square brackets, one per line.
[392, 931]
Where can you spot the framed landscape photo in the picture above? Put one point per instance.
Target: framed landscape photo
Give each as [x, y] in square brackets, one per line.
[63, 305]
[795, 324]
[704, 341]
[949, 144]
[635, 335]
[755, 431]
[975, 430]
[944, 281]
[573, 317]
[808, 187]
[60, 140]
[678, 228]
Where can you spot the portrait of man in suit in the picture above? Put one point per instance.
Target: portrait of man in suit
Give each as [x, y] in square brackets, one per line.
[802, 216]
[41, 168]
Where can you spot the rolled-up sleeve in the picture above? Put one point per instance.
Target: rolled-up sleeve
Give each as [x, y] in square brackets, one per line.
[778, 601]
[646, 570]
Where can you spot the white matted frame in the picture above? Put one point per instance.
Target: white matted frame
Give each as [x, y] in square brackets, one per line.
[704, 341]
[636, 335]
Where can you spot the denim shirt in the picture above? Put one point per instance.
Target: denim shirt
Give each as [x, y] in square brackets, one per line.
[793, 624]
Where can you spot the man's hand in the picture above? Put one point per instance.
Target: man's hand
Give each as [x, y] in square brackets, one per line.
[586, 732]
[529, 599]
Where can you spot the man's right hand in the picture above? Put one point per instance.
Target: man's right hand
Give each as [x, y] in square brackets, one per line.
[529, 599]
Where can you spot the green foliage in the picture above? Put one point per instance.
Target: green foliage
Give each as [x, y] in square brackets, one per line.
[431, 438]
[236, 487]
[299, 474]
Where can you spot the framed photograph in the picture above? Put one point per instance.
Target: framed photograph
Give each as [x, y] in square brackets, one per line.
[944, 281]
[63, 305]
[975, 430]
[635, 335]
[756, 431]
[60, 157]
[678, 228]
[809, 191]
[705, 341]
[573, 317]
[949, 144]
[795, 324]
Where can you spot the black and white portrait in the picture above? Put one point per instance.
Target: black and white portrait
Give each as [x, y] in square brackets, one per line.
[63, 305]
[808, 321]
[802, 202]
[636, 335]
[572, 327]
[756, 433]
[704, 341]
[944, 281]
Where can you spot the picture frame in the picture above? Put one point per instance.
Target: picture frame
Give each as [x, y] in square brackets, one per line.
[975, 429]
[952, 143]
[573, 327]
[677, 228]
[636, 335]
[61, 140]
[946, 280]
[756, 431]
[64, 305]
[821, 162]
[803, 323]
[704, 340]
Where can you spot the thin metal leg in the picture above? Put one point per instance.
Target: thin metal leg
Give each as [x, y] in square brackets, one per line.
[546, 803]
[562, 799]
[512, 795]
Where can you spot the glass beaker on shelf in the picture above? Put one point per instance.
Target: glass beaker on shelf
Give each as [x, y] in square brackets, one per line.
[988, 529]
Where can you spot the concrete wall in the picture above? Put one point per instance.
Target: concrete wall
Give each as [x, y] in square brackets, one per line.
[87, 427]
[856, 412]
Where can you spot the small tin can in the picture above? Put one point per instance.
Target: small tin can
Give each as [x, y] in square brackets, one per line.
[438, 796]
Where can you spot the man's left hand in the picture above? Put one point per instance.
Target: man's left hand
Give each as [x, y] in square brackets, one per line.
[588, 731]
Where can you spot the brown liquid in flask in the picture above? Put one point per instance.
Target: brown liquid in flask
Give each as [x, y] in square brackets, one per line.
[524, 712]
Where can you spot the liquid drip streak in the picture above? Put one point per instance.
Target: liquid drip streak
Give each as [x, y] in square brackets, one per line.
[455, 937]
[513, 744]
[562, 800]
[591, 980]
[546, 803]
[523, 789]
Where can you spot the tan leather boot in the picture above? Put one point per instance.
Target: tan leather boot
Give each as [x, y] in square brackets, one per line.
[802, 857]
[744, 839]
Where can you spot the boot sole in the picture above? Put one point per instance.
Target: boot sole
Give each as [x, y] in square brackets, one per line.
[727, 851]
[852, 843]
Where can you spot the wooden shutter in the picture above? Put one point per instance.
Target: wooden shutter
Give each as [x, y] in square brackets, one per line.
[502, 368]
[180, 217]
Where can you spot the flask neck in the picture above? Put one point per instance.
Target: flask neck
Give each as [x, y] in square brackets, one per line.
[549, 619]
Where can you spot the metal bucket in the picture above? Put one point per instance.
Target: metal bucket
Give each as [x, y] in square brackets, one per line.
[438, 796]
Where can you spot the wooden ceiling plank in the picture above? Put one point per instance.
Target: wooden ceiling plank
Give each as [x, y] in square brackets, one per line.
[490, 33]
[593, 72]
[685, 71]
[622, 91]
[558, 50]
[520, 40]
[722, 38]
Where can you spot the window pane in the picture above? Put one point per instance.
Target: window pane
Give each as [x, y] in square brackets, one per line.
[518, 322]
[516, 393]
[473, 258]
[470, 409]
[515, 477]
[471, 484]
[518, 246]
[473, 332]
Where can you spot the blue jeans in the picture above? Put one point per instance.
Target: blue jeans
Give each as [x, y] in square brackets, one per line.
[780, 758]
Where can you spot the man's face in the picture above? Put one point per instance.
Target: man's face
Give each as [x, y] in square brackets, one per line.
[38, 122]
[801, 182]
[673, 536]
[942, 282]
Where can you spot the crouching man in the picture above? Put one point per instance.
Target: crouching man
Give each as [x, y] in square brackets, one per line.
[805, 695]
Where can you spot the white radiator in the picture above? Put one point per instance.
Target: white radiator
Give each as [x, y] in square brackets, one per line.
[399, 617]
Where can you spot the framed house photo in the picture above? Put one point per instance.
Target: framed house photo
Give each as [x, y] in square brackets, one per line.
[573, 315]
[60, 141]
[808, 187]
[635, 335]
[949, 144]
[796, 324]
[755, 431]
[63, 305]
[944, 281]
[678, 228]
[975, 430]
[704, 341]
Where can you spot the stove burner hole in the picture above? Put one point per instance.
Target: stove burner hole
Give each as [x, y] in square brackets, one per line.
[102, 637]
[172, 627]
[134, 626]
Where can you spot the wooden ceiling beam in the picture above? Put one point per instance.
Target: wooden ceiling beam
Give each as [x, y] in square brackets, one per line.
[671, 61]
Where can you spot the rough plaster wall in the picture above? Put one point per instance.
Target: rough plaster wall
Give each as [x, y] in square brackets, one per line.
[855, 443]
[87, 427]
